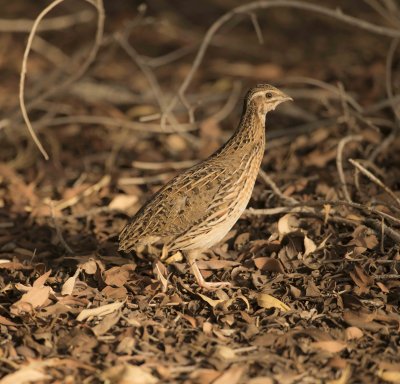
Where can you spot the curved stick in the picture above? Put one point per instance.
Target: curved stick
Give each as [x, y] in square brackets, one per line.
[92, 54]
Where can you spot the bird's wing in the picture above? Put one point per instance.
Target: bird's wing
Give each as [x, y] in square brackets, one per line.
[183, 202]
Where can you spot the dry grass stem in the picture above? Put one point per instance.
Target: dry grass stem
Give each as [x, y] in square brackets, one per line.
[114, 122]
[155, 179]
[339, 163]
[51, 24]
[103, 182]
[164, 165]
[375, 180]
[59, 231]
[275, 189]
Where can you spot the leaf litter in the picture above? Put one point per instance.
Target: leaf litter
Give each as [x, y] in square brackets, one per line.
[316, 288]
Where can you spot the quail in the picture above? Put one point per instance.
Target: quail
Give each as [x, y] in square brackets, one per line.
[198, 207]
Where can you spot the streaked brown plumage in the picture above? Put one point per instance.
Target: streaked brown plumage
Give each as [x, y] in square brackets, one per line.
[197, 208]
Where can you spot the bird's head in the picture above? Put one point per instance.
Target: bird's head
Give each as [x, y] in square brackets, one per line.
[265, 98]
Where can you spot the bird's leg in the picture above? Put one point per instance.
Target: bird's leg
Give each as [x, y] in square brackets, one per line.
[191, 257]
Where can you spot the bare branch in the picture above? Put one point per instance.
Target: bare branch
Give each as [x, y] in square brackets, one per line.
[329, 87]
[265, 4]
[257, 27]
[114, 122]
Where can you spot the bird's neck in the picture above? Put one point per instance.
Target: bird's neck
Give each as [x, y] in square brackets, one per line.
[251, 129]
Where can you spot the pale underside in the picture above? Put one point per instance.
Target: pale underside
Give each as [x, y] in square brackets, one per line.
[197, 208]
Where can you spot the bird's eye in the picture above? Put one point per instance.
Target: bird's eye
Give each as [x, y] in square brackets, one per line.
[268, 95]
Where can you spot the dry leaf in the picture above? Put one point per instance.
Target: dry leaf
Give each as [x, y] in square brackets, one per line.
[132, 320]
[241, 240]
[122, 202]
[175, 258]
[99, 311]
[353, 333]
[296, 292]
[261, 380]
[389, 376]
[190, 319]
[118, 276]
[327, 210]
[362, 320]
[128, 374]
[210, 301]
[35, 297]
[215, 264]
[106, 323]
[287, 224]
[137, 375]
[267, 301]
[344, 378]
[7, 322]
[361, 279]
[225, 353]
[309, 246]
[176, 142]
[69, 285]
[161, 271]
[24, 375]
[231, 376]
[41, 280]
[382, 287]
[331, 346]
[207, 328]
[203, 376]
[90, 266]
[269, 264]
[364, 237]
[7, 264]
[322, 244]
[312, 290]
[119, 293]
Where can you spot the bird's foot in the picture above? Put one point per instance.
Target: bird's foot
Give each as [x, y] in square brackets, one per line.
[214, 285]
[206, 284]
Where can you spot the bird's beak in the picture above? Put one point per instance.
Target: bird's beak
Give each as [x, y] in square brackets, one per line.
[284, 98]
[287, 98]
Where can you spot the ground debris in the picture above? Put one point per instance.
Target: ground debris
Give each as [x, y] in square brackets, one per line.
[314, 264]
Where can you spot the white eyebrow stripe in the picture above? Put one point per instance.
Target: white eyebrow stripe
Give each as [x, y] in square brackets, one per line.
[258, 93]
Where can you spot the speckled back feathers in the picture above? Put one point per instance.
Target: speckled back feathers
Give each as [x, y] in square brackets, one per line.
[197, 208]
